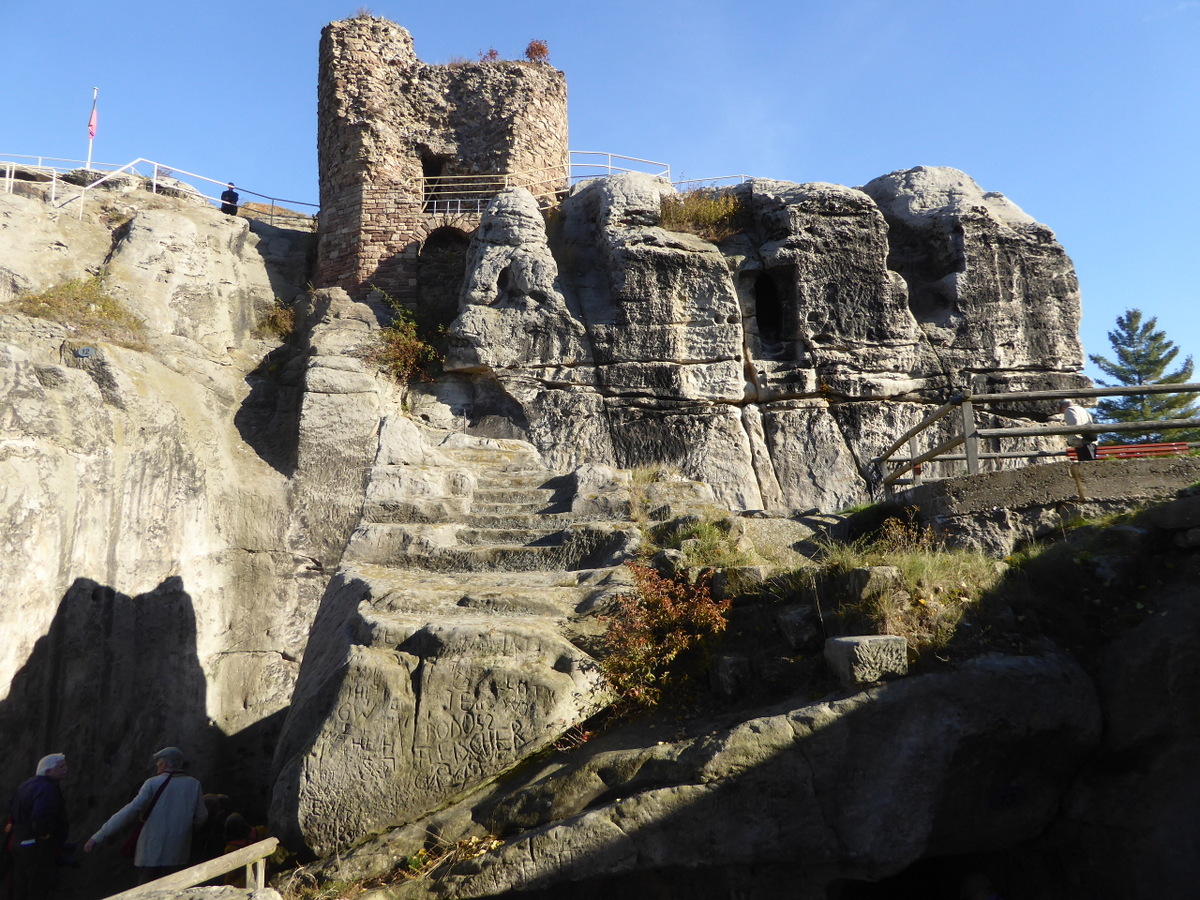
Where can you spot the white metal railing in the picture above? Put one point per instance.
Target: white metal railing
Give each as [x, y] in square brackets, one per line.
[598, 164]
[695, 184]
[470, 194]
[159, 176]
[968, 435]
[253, 858]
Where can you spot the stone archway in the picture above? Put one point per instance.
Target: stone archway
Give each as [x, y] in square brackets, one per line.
[440, 270]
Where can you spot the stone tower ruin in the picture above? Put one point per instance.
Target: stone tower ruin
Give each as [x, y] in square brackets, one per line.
[410, 154]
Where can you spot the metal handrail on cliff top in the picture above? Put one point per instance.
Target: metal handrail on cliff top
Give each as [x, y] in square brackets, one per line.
[159, 180]
[695, 184]
[970, 436]
[41, 165]
[252, 857]
[609, 168]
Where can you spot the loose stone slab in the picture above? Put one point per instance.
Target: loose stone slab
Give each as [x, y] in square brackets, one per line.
[864, 659]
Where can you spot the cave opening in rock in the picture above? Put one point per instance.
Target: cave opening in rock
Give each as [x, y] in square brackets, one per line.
[768, 312]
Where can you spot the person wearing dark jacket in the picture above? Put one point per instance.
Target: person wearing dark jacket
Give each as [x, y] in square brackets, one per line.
[229, 201]
[39, 830]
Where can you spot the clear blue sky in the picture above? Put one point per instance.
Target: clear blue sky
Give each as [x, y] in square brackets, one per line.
[1086, 114]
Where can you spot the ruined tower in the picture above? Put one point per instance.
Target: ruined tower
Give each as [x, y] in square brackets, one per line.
[410, 153]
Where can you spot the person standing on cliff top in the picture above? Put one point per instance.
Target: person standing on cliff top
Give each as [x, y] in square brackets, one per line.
[1084, 444]
[229, 201]
[170, 805]
[39, 830]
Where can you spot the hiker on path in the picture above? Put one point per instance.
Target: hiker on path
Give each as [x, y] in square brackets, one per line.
[170, 805]
[1084, 444]
[39, 830]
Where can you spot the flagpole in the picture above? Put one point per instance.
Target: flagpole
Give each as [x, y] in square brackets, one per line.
[92, 127]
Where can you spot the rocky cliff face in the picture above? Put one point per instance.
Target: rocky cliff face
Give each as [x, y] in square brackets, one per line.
[774, 366]
[199, 524]
[153, 595]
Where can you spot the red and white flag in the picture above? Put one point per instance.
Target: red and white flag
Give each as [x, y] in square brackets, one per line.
[92, 117]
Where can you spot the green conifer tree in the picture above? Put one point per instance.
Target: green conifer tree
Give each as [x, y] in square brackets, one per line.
[1143, 354]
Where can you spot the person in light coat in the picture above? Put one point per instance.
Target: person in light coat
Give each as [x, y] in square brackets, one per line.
[1084, 444]
[166, 839]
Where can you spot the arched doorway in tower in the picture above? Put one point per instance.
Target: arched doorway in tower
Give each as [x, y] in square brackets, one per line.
[440, 270]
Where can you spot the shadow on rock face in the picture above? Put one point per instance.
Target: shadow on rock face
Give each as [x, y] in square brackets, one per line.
[113, 680]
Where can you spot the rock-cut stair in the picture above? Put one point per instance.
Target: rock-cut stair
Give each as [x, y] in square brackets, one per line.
[514, 548]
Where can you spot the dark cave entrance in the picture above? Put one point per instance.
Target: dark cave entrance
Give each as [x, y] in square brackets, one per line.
[771, 305]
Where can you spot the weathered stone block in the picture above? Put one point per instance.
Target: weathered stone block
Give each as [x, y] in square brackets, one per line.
[864, 659]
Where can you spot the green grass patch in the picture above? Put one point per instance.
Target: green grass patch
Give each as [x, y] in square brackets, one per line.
[937, 586]
[705, 542]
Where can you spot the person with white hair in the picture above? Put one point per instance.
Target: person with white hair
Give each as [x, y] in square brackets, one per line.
[39, 830]
[170, 806]
[1084, 444]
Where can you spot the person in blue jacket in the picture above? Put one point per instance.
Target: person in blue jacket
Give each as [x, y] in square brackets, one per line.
[39, 830]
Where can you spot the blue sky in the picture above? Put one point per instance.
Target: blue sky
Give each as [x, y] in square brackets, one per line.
[1086, 114]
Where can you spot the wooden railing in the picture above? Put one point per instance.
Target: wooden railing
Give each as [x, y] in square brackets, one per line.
[253, 858]
[969, 436]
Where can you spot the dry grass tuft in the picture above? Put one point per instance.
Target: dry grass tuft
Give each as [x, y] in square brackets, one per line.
[279, 322]
[710, 213]
[83, 306]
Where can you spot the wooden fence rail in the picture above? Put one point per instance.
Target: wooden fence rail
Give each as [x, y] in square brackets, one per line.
[252, 857]
[969, 435]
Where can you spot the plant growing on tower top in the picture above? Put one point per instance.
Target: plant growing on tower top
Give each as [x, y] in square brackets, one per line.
[537, 51]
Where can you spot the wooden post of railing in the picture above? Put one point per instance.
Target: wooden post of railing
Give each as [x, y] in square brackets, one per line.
[912, 454]
[970, 438]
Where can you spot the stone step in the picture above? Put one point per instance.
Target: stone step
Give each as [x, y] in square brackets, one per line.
[518, 558]
[555, 593]
[523, 496]
[526, 521]
[513, 510]
[541, 536]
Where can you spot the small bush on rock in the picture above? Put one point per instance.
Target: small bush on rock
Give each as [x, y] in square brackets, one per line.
[537, 51]
[403, 352]
[656, 635]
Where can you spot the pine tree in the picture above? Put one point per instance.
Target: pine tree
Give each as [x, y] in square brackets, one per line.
[1143, 355]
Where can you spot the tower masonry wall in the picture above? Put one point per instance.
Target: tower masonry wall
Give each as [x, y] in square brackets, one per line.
[390, 127]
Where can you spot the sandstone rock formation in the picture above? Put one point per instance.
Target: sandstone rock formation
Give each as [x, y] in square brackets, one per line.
[794, 801]
[196, 526]
[146, 557]
[774, 366]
